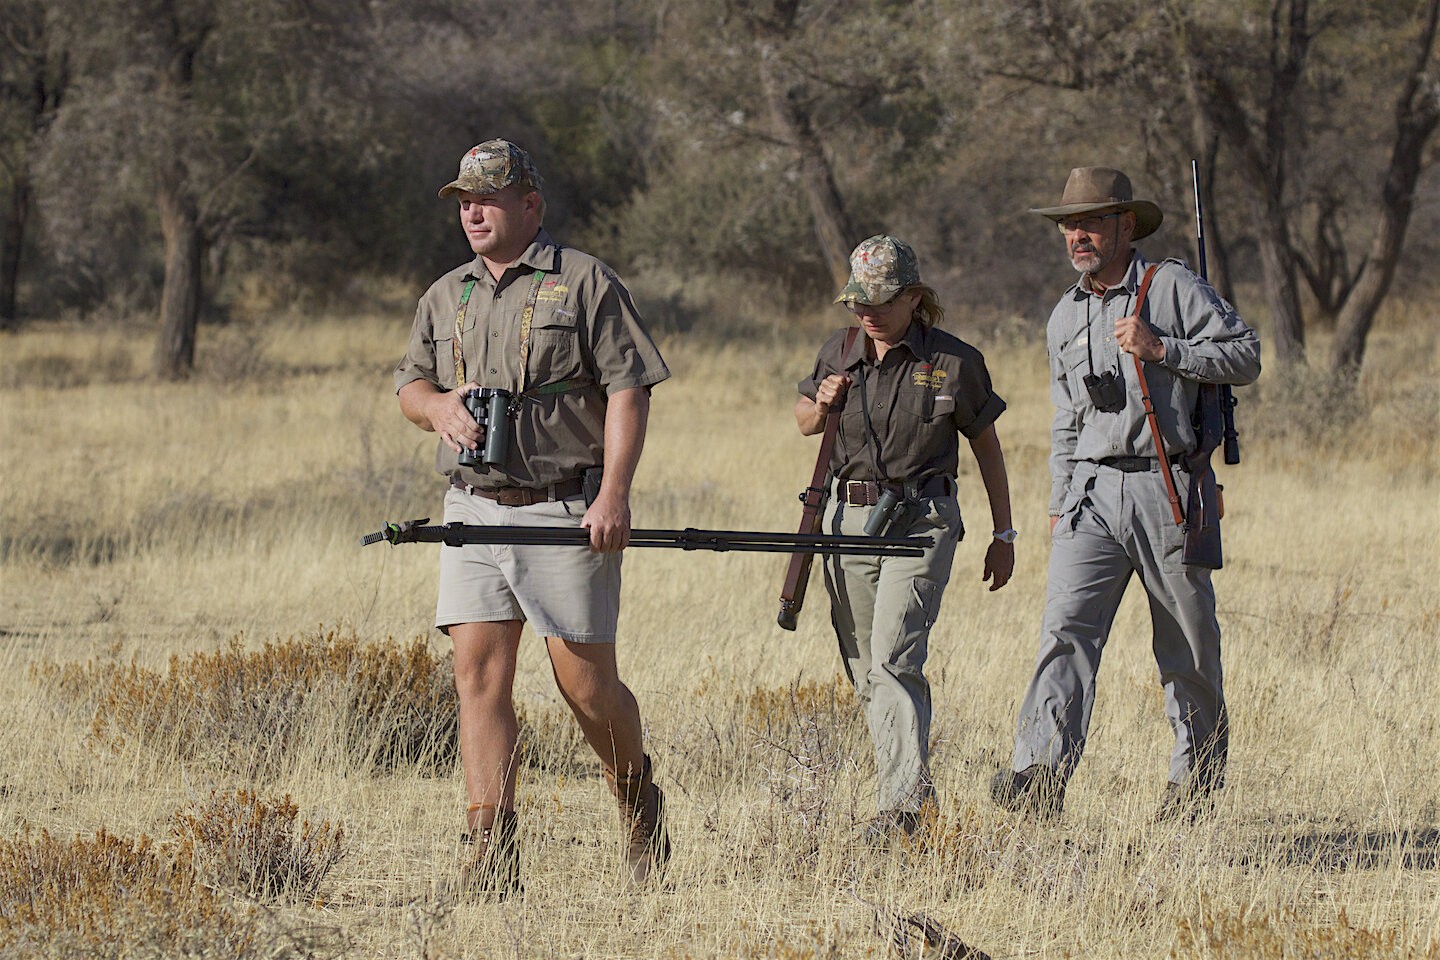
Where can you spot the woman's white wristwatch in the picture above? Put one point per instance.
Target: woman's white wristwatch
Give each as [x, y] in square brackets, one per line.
[1007, 536]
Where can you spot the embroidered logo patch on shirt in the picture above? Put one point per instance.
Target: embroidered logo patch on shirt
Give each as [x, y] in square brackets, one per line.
[551, 293]
[925, 377]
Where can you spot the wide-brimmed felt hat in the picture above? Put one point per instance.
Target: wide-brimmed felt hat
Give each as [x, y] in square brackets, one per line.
[1103, 188]
[492, 166]
[880, 267]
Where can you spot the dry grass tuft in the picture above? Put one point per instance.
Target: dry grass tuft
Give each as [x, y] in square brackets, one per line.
[251, 846]
[1251, 935]
[383, 705]
[109, 896]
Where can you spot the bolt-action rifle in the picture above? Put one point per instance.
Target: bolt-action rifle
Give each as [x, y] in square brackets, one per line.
[459, 534]
[1214, 423]
[797, 574]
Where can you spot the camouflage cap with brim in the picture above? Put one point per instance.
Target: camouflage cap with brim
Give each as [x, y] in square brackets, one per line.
[492, 166]
[880, 268]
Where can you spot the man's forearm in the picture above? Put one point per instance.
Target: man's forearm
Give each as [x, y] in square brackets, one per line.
[626, 415]
[415, 398]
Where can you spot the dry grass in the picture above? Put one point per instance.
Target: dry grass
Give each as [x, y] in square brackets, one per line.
[185, 613]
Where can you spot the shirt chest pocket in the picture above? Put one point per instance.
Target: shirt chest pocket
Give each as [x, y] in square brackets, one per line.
[445, 358]
[1076, 361]
[554, 344]
[926, 405]
[926, 416]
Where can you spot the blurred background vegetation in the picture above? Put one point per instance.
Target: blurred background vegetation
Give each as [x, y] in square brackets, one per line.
[167, 165]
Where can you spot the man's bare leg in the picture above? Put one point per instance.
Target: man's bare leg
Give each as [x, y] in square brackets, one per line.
[610, 719]
[604, 707]
[485, 659]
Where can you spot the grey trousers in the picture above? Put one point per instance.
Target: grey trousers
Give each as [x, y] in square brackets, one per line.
[1113, 525]
[882, 609]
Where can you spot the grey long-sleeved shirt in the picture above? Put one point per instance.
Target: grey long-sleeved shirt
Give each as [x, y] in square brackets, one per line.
[1205, 342]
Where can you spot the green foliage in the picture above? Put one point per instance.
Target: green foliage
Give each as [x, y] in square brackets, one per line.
[707, 211]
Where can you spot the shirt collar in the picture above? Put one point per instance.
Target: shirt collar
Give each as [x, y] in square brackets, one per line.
[540, 255]
[914, 341]
[1130, 284]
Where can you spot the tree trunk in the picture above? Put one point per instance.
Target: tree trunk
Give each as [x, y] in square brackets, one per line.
[1417, 115]
[827, 211]
[11, 238]
[1277, 268]
[180, 298]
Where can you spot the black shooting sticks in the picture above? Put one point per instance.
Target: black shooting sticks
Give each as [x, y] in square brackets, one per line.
[458, 534]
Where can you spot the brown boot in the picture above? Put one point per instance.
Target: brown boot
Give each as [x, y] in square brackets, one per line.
[642, 807]
[490, 863]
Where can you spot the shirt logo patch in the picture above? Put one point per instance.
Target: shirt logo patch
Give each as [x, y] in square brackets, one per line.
[551, 293]
[933, 379]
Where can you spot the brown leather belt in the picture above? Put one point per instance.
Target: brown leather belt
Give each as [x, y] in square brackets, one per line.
[524, 496]
[866, 493]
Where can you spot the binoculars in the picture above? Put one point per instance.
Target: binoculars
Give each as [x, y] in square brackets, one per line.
[891, 516]
[494, 410]
[1107, 391]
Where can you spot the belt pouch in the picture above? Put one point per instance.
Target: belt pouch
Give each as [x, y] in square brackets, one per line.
[590, 483]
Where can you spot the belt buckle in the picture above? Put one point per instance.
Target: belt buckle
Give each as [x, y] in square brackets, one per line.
[512, 497]
[860, 493]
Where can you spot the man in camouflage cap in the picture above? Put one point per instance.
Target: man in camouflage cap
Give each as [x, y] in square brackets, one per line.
[556, 330]
[490, 167]
[906, 392]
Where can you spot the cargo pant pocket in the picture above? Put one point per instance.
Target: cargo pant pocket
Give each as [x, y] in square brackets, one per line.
[1172, 549]
[912, 646]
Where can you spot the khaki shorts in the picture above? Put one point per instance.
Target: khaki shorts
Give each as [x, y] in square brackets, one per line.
[567, 592]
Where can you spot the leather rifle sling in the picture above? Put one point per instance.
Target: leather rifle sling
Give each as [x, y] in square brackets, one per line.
[1159, 441]
[792, 594]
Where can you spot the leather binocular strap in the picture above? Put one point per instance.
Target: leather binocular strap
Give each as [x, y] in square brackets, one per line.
[1170, 491]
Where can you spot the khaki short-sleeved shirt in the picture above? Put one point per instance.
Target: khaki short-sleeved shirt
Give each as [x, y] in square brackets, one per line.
[929, 389]
[586, 342]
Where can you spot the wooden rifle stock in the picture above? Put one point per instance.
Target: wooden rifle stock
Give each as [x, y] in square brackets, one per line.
[797, 575]
[1203, 508]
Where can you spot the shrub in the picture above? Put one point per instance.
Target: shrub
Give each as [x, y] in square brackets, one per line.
[249, 845]
[1248, 934]
[110, 897]
[382, 705]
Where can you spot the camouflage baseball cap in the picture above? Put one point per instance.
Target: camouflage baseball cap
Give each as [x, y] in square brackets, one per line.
[880, 268]
[492, 166]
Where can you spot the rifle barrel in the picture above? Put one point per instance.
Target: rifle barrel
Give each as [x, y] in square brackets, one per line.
[1199, 218]
[456, 534]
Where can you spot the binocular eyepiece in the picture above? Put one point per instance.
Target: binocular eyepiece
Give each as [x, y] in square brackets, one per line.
[494, 410]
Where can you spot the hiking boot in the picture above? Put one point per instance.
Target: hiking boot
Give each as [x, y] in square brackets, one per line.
[490, 865]
[1180, 802]
[1037, 790]
[642, 808]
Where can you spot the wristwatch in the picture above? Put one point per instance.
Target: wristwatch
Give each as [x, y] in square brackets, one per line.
[1007, 536]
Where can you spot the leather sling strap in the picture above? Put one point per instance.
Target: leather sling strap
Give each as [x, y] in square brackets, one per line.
[1170, 491]
[792, 594]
